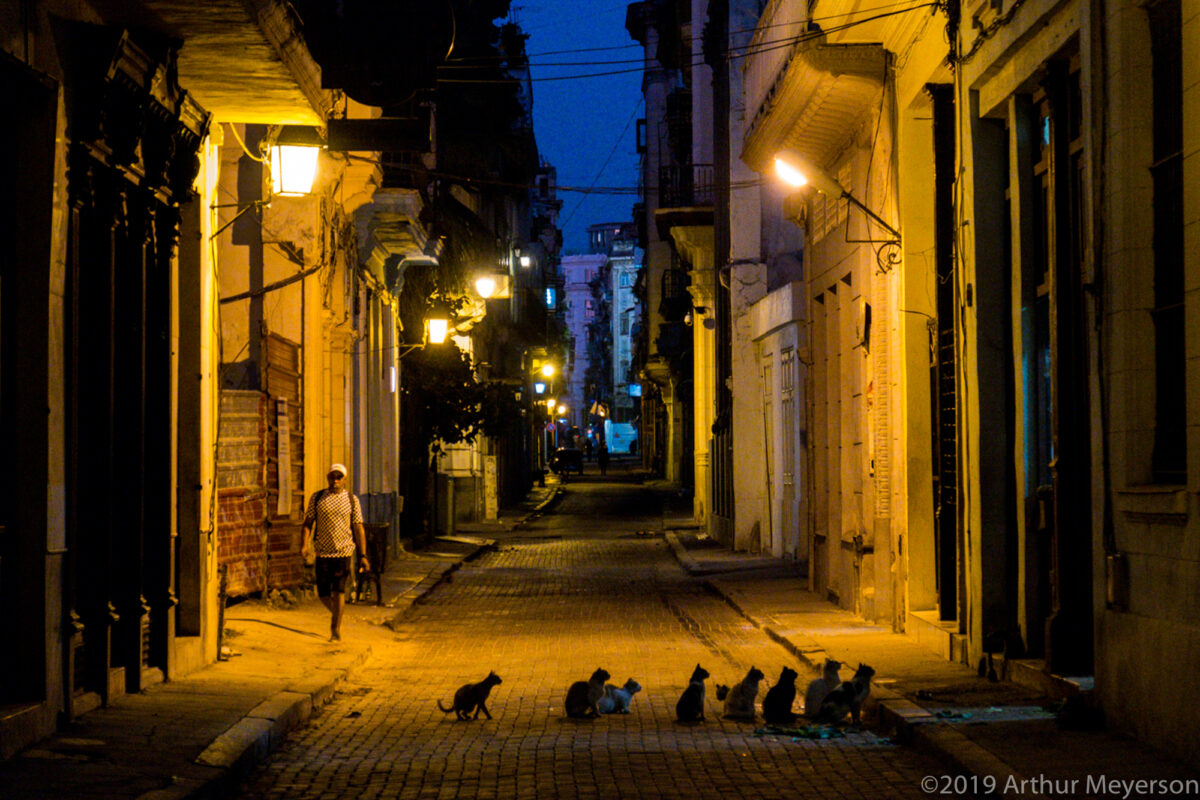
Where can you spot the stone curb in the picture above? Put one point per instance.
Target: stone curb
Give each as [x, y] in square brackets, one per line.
[908, 722]
[252, 738]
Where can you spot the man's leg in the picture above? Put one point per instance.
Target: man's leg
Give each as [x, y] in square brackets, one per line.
[336, 604]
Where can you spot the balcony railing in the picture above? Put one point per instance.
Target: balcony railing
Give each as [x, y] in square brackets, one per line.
[685, 185]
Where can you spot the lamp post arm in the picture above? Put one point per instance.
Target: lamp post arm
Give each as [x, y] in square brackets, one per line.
[871, 214]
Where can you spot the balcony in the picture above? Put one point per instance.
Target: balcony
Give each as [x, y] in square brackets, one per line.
[685, 186]
[675, 301]
[685, 198]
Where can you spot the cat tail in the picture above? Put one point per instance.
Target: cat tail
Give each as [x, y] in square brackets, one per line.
[443, 709]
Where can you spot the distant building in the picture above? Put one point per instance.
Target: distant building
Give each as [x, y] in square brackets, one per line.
[579, 272]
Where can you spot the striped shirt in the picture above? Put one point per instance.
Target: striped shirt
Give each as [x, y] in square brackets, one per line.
[333, 514]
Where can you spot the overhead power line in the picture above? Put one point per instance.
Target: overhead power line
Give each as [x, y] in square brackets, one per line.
[481, 61]
[761, 47]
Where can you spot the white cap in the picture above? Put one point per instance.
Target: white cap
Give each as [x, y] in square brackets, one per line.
[339, 468]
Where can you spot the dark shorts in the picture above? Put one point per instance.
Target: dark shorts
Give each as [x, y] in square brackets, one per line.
[332, 574]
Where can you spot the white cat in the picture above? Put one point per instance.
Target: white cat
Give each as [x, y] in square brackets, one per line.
[616, 699]
[821, 686]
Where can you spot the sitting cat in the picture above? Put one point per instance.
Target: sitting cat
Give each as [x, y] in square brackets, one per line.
[847, 698]
[472, 697]
[616, 699]
[821, 686]
[690, 707]
[583, 696]
[777, 705]
[739, 704]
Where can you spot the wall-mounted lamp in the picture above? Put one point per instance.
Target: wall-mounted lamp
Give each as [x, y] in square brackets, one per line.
[526, 261]
[796, 170]
[539, 387]
[294, 158]
[548, 370]
[438, 328]
[493, 286]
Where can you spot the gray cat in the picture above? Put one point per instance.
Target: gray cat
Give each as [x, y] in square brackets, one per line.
[847, 698]
[583, 696]
[690, 707]
[739, 701]
[472, 697]
[821, 686]
[616, 699]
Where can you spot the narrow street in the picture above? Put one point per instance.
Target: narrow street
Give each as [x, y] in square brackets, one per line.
[591, 584]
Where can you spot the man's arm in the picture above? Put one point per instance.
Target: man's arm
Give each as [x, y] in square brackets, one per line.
[360, 536]
[306, 540]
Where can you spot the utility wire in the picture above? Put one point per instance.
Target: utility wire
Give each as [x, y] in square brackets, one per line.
[603, 166]
[571, 51]
[603, 190]
[754, 49]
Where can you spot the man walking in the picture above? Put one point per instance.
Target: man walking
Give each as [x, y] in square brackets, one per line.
[333, 526]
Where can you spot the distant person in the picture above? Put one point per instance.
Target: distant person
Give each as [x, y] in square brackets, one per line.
[602, 458]
[588, 446]
[333, 529]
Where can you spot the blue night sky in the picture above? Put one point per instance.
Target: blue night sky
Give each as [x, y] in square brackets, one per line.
[583, 122]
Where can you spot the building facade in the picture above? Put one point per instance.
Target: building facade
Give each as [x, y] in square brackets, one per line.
[991, 317]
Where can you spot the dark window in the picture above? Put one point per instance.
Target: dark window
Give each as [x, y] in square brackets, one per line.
[1170, 448]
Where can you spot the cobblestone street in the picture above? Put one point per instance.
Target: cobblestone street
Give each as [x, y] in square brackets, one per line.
[591, 585]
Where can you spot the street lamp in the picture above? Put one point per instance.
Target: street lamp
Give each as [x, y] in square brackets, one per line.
[548, 370]
[294, 160]
[493, 286]
[439, 327]
[796, 170]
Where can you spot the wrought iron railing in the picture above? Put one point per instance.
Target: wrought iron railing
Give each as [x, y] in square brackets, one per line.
[685, 185]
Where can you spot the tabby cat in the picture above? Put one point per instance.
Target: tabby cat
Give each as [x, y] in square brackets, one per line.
[583, 696]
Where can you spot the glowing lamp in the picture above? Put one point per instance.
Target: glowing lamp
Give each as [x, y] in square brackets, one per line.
[796, 170]
[486, 286]
[539, 387]
[548, 370]
[294, 155]
[526, 261]
[438, 328]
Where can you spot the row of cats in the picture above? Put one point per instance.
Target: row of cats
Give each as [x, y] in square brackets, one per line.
[828, 699]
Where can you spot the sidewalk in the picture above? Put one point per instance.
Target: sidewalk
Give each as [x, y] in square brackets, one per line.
[193, 736]
[998, 731]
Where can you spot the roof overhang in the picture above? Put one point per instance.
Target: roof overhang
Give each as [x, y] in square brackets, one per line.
[243, 60]
[390, 228]
[820, 98]
[666, 219]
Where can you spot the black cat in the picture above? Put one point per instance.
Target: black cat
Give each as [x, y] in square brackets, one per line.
[777, 705]
[690, 707]
[472, 697]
